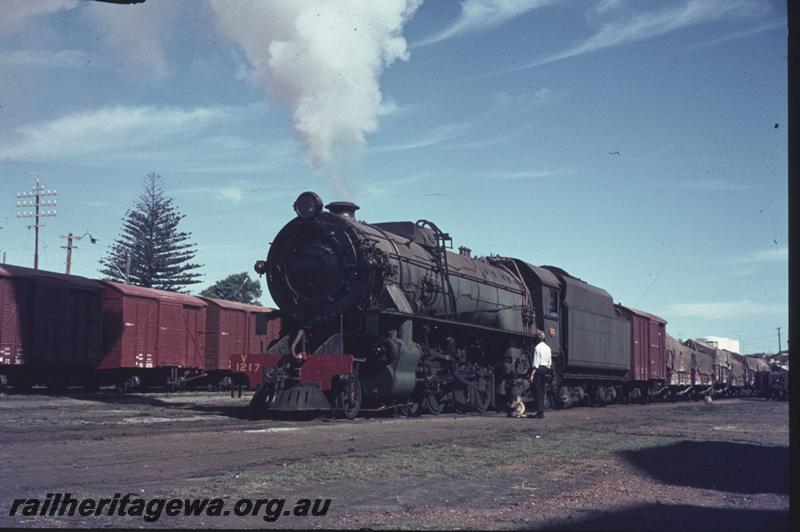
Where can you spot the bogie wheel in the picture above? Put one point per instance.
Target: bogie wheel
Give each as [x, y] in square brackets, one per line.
[482, 395]
[91, 385]
[434, 403]
[411, 408]
[462, 400]
[348, 399]
[23, 384]
[56, 384]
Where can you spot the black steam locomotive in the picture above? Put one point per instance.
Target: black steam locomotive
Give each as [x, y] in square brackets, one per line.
[383, 315]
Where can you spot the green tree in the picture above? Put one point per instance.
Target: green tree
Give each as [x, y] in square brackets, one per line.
[237, 287]
[160, 255]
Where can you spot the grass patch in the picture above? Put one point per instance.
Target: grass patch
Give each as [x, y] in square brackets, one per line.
[455, 459]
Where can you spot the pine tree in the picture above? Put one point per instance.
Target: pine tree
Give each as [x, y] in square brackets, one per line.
[237, 287]
[160, 255]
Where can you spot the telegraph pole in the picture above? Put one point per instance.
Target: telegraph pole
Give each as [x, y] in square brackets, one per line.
[70, 246]
[37, 203]
[779, 340]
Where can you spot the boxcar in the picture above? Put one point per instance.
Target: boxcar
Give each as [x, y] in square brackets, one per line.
[757, 369]
[679, 364]
[777, 383]
[648, 371]
[738, 372]
[722, 368]
[50, 328]
[702, 367]
[151, 337]
[237, 338]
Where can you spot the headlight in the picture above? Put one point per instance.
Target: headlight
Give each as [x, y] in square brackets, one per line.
[307, 205]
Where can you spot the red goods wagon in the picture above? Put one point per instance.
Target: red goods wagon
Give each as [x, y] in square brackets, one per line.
[232, 332]
[648, 345]
[151, 337]
[50, 328]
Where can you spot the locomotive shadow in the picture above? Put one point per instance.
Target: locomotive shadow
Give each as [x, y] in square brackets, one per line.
[679, 517]
[236, 411]
[717, 465]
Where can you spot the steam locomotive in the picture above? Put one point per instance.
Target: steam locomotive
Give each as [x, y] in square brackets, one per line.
[384, 315]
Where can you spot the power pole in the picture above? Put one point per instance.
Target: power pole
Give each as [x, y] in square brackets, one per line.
[70, 246]
[779, 340]
[37, 203]
[127, 273]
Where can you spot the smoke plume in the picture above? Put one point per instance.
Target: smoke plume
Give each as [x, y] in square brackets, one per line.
[324, 59]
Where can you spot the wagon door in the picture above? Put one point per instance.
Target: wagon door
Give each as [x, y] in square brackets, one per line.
[81, 328]
[657, 348]
[50, 311]
[144, 340]
[639, 356]
[225, 338]
[193, 341]
[171, 335]
[240, 340]
[16, 320]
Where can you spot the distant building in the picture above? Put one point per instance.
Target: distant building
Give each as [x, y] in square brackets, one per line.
[721, 343]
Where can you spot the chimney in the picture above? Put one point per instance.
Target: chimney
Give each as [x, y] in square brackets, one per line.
[464, 251]
[343, 208]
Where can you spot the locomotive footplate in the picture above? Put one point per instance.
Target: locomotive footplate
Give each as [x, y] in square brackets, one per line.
[294, 385]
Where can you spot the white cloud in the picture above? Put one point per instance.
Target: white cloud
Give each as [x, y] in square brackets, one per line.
[390, 107]
[708, 184]
[435, 136]
[481, 15]
[531, 174]
[647, 25]
[238, 191]
[780, 254]
[608, 5]
[138, 34]
[723, 310]
[15, 13]
[389, 188]
[45, 59]
[743, 34]
[112, 130]
[526, 100]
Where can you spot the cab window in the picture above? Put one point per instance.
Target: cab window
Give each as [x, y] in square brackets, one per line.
[552, 303]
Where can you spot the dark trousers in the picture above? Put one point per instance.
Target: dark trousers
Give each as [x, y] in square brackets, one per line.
[539, 380]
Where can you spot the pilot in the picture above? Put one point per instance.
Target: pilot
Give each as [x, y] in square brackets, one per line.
[542, 364]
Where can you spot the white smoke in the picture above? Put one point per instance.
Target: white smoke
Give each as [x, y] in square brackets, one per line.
[325, 59]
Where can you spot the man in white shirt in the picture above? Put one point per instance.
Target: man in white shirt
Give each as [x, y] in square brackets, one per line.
[542, 363]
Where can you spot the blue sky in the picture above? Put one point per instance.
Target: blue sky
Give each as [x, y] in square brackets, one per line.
[640, 145]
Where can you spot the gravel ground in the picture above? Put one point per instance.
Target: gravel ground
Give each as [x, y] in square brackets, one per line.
[670, 466]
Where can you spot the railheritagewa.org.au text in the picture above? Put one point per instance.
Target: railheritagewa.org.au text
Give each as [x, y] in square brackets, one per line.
[152, 509]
